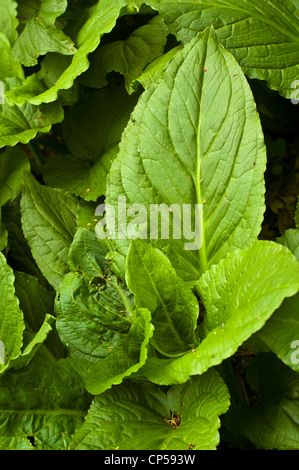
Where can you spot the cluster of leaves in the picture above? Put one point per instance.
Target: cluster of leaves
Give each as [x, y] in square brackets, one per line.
[142, 344]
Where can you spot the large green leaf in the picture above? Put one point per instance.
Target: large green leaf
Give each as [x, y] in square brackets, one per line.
[92, 316]
[128, 57]
[262, 35]
[100, 20]
[239, 295]
[92, 307]
[106, 337]
[196, 141]
[41, 406]
[157, 287]
[272, 421]
[49, 225]
[257, 278]
[134, 416]
[41, 35]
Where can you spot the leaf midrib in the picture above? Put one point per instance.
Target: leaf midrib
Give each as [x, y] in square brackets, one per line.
[176, 337]
[202, 254]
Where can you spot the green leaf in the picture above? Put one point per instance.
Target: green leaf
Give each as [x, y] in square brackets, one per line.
[49, 225]
[128, 57]
[41, 406]
[257, 279]
[101, 19]
[281, 332]
[13, 163]
[137, 416]
[153, 73]
[126, 357]
[290, 239]
[87, 254]
[37, 304]
[106, 337]
[175, 151]
[8, 20]
[296, 3]
[239, 295]
[115, 253]
[26, 9]
[11, 316]
[93, 308]
[3, 234]
[19, 342]
[262, 35]
[52, 67]
[85, 215]
[157, 287]
[35, 301]
[82, 178]
[19, 253]
[21, 90]
[117, 263]
[34, 341]
[9, 67]
[271, 422]
[92, 315]
[23, 123]
[40, 34]
[92, 132]
[95, 124]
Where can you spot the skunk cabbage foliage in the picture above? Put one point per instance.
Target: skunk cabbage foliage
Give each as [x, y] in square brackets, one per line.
[141, 308]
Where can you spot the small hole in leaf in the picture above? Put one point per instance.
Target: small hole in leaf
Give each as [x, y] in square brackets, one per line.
[99, 282]
[31, 440]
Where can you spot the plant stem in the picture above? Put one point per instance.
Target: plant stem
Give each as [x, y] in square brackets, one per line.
[36, 157]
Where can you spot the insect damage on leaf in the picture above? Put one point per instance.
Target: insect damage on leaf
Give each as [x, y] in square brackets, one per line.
[174, 422]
